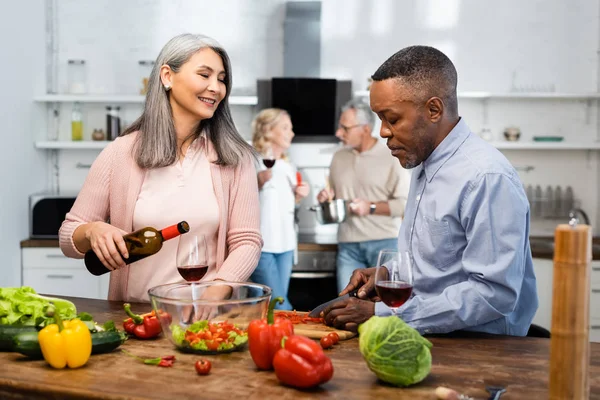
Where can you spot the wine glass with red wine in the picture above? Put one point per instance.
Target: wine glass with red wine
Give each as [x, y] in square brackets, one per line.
[394, 278]
[192, 257]
[268, 158]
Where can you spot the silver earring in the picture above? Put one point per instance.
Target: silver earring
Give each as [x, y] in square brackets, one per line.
[167, 87]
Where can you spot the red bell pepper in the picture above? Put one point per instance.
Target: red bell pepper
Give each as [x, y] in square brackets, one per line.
[302, 363]
[145, 326]
[264, 336]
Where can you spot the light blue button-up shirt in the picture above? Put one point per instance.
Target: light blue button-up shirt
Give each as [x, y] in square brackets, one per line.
[466, 224]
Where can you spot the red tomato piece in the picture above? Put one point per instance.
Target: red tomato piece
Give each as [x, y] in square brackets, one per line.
[335, 338]
[202, 367]
[326, 342]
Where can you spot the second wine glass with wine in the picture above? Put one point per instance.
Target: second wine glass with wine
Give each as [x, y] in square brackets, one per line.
[394, 278]
[192, 257]
[268, 158]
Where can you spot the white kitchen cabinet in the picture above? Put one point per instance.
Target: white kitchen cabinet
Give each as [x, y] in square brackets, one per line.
[544, 271]
[48, 271]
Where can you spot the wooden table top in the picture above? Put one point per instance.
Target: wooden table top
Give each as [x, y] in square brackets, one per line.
[466, 364]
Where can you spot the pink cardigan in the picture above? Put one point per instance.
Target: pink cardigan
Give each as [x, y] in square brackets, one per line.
[111, 190]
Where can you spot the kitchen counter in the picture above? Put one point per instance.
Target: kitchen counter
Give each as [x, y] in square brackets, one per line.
[541, 246]
[466, 364]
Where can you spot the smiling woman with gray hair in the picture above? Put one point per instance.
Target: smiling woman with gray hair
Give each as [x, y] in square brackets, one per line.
[183, 159]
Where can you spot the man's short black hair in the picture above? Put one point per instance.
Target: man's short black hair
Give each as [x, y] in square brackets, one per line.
[426, 70]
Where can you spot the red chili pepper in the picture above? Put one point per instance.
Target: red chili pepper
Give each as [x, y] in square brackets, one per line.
[298, 178]
[264, 336]
[145, 326]
[302, 363]
[166, 361]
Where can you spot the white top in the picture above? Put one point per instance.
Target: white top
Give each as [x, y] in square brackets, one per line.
[180, 192]
[277, 208]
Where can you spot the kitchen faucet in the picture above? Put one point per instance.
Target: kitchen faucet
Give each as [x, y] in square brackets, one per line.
[573, 215]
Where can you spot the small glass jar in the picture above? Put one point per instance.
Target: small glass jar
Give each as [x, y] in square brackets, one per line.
[145, 68]
[76, 123]
[77, 76]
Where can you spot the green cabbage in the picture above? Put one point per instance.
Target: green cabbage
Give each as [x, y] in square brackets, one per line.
[394, 351]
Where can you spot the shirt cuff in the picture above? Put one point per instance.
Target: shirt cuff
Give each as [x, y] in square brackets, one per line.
[381, 310]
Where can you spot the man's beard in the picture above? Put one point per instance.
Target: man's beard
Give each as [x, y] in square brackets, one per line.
[424, 145]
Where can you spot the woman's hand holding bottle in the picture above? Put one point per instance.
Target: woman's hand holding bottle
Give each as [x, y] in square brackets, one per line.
[108, 244]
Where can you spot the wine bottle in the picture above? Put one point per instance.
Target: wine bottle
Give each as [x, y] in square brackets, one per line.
[140, 244]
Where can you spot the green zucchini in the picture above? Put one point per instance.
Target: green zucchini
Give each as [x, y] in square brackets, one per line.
[8, 332]
[107, 341]
[27, 343]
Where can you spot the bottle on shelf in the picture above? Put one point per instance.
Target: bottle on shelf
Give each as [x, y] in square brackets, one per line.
[76, 123]
[140, 244]
[77, 76]
[113, 123]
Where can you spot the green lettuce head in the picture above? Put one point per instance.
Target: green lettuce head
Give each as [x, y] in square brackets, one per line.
[394, 351]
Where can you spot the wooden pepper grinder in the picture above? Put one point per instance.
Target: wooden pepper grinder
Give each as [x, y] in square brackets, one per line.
[569, 343]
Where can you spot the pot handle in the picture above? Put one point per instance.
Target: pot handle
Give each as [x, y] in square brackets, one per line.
[314, 208]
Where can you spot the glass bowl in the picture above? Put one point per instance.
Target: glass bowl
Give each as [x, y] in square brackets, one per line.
[210, 317]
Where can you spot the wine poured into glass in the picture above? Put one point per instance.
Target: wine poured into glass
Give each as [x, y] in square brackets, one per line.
[394, 278]
[192, 257]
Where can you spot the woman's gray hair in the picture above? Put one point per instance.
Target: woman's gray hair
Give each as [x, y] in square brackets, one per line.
[364, 115]
[156, 144]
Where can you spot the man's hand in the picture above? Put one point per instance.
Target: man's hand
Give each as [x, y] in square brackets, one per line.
[325, 195]
[360, 207]
[348, 313]
[364, 280]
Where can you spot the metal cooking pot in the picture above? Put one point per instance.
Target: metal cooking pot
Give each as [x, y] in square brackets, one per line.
[331, 212]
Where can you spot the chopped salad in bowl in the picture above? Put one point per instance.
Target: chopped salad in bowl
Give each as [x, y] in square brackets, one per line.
[211, 317]
[209, 337]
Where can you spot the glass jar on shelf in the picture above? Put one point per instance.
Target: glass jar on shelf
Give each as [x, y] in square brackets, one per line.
[77, 76]
[145, 68]
[76, 123]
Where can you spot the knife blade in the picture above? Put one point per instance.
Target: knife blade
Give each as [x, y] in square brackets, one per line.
[317, 310]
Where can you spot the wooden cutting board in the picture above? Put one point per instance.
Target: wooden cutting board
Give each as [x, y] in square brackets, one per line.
[317, 331]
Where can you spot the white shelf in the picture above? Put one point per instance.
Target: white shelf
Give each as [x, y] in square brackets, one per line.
[99, 145]
[516, 95]
[118, 98]
[67, 145]
[546, 145]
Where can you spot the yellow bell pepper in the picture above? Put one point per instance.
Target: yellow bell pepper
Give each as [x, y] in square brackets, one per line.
[66, 343]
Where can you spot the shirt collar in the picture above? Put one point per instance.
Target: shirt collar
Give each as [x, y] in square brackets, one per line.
[198, 144]
[373, 149]
[446, 149]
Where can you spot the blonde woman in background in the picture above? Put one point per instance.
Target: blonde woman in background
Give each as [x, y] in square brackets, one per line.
[279, 192]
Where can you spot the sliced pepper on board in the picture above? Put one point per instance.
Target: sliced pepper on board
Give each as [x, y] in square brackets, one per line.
[67, 343]
[301, 363]
[264, 336]
[145, 326]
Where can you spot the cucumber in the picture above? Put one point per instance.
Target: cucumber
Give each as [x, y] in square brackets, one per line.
[27, 343]
[8, 332]
[107, 341]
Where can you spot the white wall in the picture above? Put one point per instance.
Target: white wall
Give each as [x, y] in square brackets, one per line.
[22, 169]
[496, 46]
